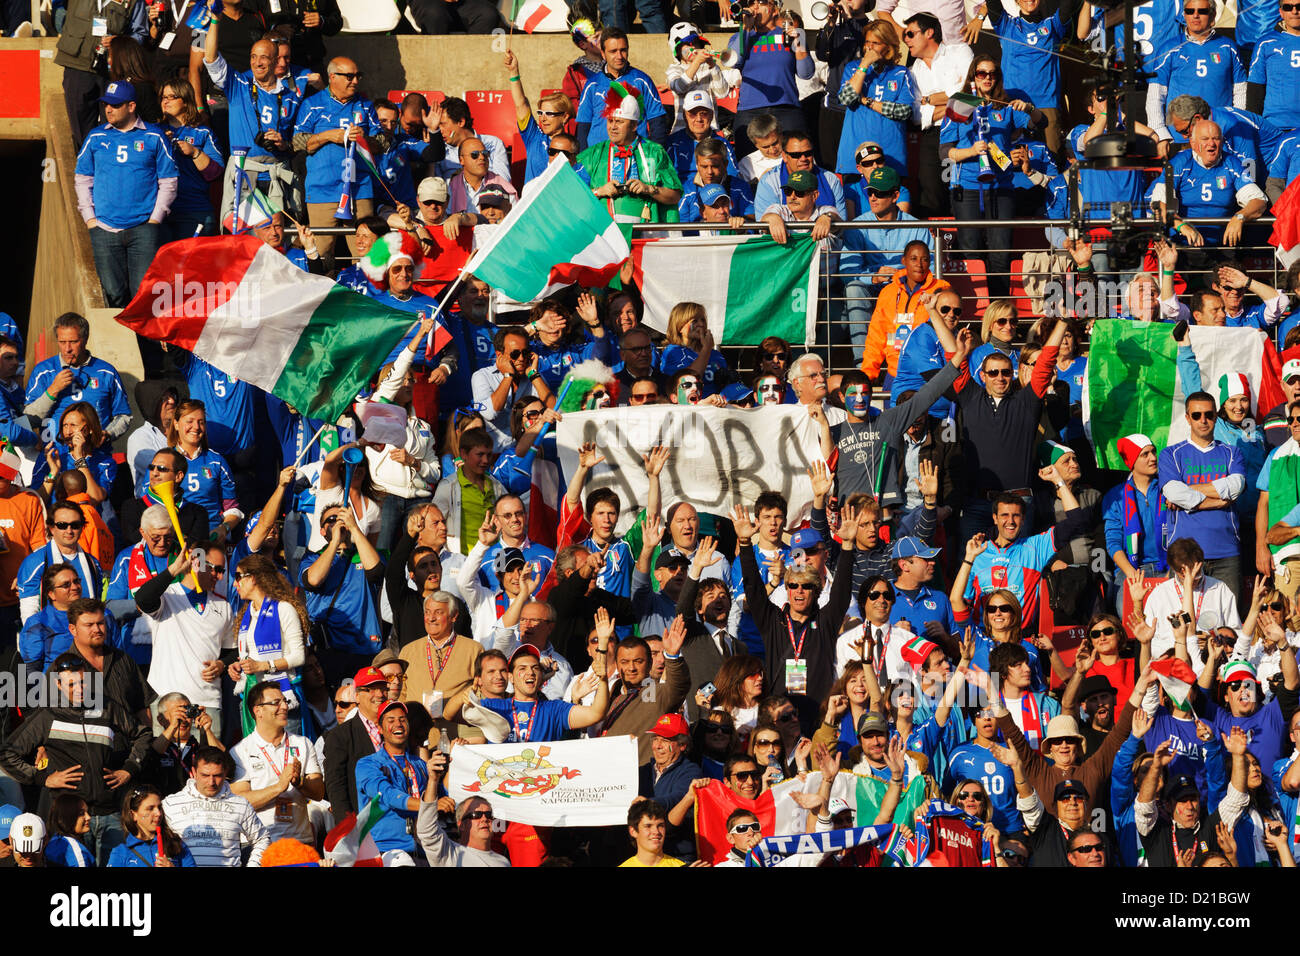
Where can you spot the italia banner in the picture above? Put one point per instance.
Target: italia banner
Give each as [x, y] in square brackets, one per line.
[558, 783]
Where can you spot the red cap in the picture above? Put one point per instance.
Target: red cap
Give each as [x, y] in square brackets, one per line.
[523, 649]
[368, 677]
[671, 725]
[391, 705]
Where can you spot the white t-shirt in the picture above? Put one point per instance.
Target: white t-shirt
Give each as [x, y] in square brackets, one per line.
[183, 638]
[1215, 607]
[259, 762]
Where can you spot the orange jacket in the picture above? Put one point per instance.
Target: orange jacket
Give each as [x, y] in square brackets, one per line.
[22, 525]
[898, 311]
[95, 538]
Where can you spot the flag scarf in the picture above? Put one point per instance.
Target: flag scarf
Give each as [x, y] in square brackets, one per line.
[1176, 678]
[559, 235]
[961, 107]
[1133, 387]
[750, 286]
[350, 843]
[773, 850]
[1286, 228]
[348, 176]
[545, 490]
[954, 833]
[252, 208]
[245, 309]
[775, 808]
[1284, 495]
[1132, 517]
[870, 793]
[442, 261]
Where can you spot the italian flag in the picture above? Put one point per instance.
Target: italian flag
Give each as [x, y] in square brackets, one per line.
[1284, 495]
[350, 843]
[961, 107]
[1177, 680]
[750, 286]
[247, 310]
[1133, 386]
[917, 650]
[559, 235]
[1286, 228]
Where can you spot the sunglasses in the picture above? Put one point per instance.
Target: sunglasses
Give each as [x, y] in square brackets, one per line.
[802, 154]
[950, 310]
[531, 417]
[778, 356]
[349, 76]
[1274, 606]
[644, 396]
[1289, 7]
[1199, 416]
[1197, 11]
[985, 74]
[1235, 685]
[433, 202]
[479, 815]
[908, 34]
[549, 113]
[516, 354]
[796, 193]
[712, 728]
[998, 373]
[1011, 855]
[476, 153]
[161, 468]
[1005, 320]
[971, 795]
[871, 163]
[1292, 419]
[776, 742]
[217, 570]
[877, 595]
[637, 348]
[880, 193]
[688, 383]
[1001, 609]
[797, 586]
[1087, 848]
[328, 522]
[344, 703]
[65, 525]
[753, 775]
[1103, 632]
[556, 151]
[746, 828]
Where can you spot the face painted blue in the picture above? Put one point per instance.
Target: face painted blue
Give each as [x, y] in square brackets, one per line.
[856, 402]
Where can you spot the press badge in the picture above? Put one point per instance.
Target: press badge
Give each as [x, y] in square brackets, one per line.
[166, 42]
[796, 675]
[283, 810]
[99, 27]
[275, 6]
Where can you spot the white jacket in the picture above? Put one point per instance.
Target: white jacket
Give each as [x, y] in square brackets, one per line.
[214, 827]
[405, 481]
[447, 498]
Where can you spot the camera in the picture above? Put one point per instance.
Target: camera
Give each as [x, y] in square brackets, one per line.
[192, 711]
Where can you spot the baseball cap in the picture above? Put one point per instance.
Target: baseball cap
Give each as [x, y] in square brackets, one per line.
[712, 194]
[671, 725]
[1181, 787]
[388, 656]
[1069, 787]
[837, 805]
[27, 833]
[369, 677]
[118, 92]
[736, 392]
[867, 151]
[391, 705]
[432, 188]
[1291, 368]
[883, 178]
[7, 814]
[506, 559]
[494, 195]
[910, 547]
[801, 180]
[806, 538]
[872, 724]
[697, 99]
[522, 650]
[669, 561]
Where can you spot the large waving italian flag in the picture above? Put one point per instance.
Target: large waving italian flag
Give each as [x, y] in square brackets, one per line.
[1133, 384]
[350, 842]
[750, 286]
[559, 235]
[245, 309]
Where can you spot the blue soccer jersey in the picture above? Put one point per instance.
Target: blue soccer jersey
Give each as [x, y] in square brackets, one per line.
[127, 166]
[1276, 66]
[973, 762]
[321, 113]
[1017, 568]
[227, 400]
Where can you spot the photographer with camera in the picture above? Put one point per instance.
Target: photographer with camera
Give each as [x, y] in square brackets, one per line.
[263, 110]
[770, 53]
[185, 728]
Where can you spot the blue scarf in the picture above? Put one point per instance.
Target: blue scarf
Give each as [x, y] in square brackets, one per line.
[1132, 515]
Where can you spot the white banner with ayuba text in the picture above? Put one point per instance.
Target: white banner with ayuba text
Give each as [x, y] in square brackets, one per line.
[559, 783]
[721, 457]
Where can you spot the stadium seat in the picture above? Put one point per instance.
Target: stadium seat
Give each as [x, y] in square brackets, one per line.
[433, 96]
[1018, 292]
[969, 278]
[369, 16]
[494, 112]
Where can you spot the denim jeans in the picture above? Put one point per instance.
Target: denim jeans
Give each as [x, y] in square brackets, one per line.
[993, 205]
[122, 258]
[392, 518]
[187, 226]
[859, 303]
[105, 833]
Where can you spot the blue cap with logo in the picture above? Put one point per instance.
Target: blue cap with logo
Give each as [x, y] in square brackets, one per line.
[117, 93]
[806, 538]
[712, 194]
[506, 559]
[910, 547]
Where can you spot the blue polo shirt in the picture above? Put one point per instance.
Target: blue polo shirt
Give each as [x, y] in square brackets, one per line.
[228, 400]
[922, 605]
[254, 110]
[1017, 568]
[192, 192]
[34, 565]
[96, 382]
[1276, 66]
[208, 483]
[353, 618]
[1030, 68]
[101, 463]
[1206, 193]
[1209, 70]
[1004, 126]
[540, 553]
[126, 166]
[681, 153]
[319, 113]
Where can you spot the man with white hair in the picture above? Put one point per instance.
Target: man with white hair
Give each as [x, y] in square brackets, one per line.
[440, 665]
[1210, 184]
[807, 377]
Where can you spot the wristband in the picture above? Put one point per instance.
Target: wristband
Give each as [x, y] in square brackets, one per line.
[49, 396]
[532, 375]
[1085, 269]
[672, 657]
[514, 79]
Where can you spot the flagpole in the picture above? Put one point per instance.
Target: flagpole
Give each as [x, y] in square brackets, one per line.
[307, 447]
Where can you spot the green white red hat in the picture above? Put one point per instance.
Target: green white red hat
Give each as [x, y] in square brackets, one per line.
[1231, 385]
[387, 252]
[1237, 670]
[1131, 446]
[1050, 452]
[623, 102]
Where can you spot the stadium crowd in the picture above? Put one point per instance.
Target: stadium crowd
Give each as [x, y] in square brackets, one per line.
[1097, 668]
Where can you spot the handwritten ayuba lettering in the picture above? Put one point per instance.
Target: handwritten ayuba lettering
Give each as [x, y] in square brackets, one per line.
[721, 456]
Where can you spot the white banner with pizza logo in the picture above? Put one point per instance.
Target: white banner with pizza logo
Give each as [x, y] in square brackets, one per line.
[559, 783]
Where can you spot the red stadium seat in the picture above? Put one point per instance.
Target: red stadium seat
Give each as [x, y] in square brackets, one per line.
[666, 97]
[1018, 292]
[433, 96]
[494, 112]
[969, 278]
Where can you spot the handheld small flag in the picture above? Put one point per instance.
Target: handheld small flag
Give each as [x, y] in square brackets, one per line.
[1177, 679]
[961, 107]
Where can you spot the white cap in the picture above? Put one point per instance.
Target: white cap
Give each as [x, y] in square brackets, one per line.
[835, 805]
[27, 833]
[697, 99]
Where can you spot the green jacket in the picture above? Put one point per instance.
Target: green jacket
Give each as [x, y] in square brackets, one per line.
[78, 46]
[654, 168]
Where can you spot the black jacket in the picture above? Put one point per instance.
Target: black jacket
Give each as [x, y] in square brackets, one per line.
[193, 521]
[407, 604]
[700, 653]
[575, 611]
[344, 746]
[107, 739]
[819, 638]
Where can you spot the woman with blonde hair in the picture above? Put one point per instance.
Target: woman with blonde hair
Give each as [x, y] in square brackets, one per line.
[878, 94]
[208, 481]
[998, 333]
[271, 639]
[198, 160]
[690, 346]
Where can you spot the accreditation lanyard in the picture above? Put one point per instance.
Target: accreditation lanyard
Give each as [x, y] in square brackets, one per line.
[430, 653]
